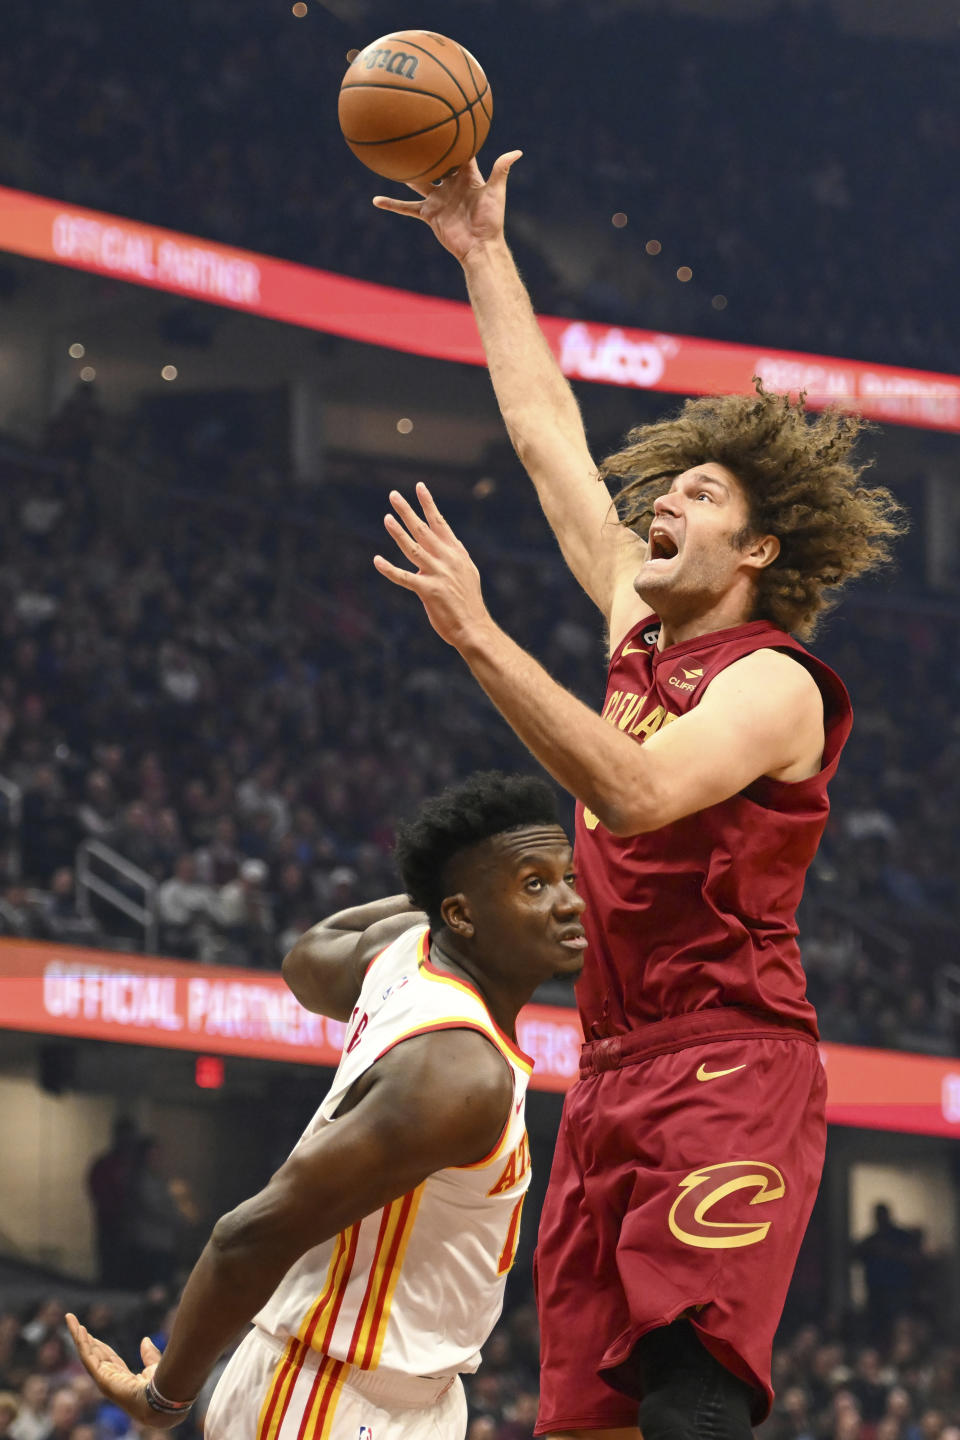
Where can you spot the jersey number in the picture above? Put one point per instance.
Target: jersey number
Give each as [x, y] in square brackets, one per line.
[357, 1035]
[509, 1252]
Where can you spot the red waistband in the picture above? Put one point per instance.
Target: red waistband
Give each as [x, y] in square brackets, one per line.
[681, 1031]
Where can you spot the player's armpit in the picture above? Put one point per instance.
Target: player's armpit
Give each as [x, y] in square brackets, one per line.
[625, 609]
[437, 1100]
[603, 555]
[326, 967]
[762, 716]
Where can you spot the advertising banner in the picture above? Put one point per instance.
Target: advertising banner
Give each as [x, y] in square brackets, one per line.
[444, 329]
[216, 1010]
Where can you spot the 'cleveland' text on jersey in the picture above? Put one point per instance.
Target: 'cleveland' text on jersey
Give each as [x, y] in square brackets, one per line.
[701, 913]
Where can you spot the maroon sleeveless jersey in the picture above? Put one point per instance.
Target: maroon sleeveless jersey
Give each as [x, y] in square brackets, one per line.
[700, 914]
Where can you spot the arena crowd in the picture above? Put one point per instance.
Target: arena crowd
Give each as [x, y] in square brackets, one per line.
[793, 177]
[835, 1378]
[224, 692]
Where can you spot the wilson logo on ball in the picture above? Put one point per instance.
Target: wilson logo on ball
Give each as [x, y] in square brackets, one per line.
[395, 62]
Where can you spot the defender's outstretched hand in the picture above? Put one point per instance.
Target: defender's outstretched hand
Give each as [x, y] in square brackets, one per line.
[463, 210]
[116, 1380]
[446, 579]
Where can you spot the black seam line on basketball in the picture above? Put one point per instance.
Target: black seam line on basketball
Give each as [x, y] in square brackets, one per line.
[402, 90]
[407, 179]
[430, 168]
[412, 45]
[478, 100]
[473, 118]
[412, 134]
[431, 94]
[466, 61]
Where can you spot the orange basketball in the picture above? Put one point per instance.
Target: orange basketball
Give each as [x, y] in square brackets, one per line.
[414, 105]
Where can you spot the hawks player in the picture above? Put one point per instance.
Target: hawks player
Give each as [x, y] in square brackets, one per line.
[374, 1262]
[690, 1150]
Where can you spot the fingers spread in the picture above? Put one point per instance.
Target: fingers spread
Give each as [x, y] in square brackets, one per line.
[405, 542]
[399, 207]
[504, 165]
[406, 579]
[429, 506]
[414, 522]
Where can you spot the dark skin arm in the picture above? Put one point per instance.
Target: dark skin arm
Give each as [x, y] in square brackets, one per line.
[326, 966]
[434, 1101]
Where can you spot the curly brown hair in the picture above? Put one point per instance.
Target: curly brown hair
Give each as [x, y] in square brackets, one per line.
[801, 482]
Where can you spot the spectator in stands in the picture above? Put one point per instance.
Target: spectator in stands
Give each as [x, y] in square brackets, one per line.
[891, 1256]
[18, 915]
[9, 1409]
[55, 1358]
[110, 1185]
[157, 1220]
[868, 1386]
[520, 1417]
[791, 1418]
[482, 1427]
[32, 1422]
[12, 1350]
[48, 1320]
[64, 1413]
[98, 813]
[246, 916]
[59, 917]
[49, 835]
[219, 861]
[135, 838]
[189, 912]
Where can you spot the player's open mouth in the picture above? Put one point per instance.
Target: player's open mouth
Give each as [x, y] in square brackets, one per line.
[574, 940]
[662, 545]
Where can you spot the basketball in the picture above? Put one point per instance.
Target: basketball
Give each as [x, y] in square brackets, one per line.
[414, 105]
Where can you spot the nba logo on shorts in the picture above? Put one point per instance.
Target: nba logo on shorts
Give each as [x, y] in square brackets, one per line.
[365, 1433]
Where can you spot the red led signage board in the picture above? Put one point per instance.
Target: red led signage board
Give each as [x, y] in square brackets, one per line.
[444, 329]
[217, 1011]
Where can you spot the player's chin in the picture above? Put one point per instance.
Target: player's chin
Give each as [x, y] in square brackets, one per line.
[571, 963]
[652, 579]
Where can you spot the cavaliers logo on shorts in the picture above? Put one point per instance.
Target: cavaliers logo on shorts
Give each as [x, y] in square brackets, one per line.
[703, 1190]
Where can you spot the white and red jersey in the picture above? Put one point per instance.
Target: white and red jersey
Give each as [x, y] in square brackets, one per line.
[416, 1287]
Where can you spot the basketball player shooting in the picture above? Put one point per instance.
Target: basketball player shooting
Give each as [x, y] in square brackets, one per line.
[374, 1262]
[691, 1148]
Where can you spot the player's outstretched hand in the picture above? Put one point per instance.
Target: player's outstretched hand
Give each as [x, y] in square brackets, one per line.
[446, 579]
[116, 1380]
[464, 211]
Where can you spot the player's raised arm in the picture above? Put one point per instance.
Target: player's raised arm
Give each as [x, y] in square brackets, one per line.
[537, 404]
[326, 966]
[762, 716]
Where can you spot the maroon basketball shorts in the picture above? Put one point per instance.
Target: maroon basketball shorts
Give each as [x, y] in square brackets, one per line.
[686, 1167]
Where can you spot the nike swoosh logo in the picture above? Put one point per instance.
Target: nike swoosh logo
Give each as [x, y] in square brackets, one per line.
[634, 650]
[704, 1074]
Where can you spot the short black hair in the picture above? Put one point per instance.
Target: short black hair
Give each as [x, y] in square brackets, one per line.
[487, 803]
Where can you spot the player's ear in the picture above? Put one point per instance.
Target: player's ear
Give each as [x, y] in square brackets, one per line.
[761, 551]
[457, 915]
